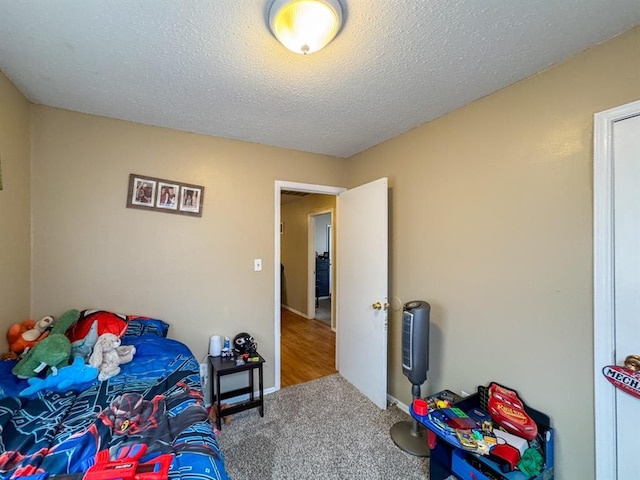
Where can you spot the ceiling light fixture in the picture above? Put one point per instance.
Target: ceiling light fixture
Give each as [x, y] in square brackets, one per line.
[305, 26]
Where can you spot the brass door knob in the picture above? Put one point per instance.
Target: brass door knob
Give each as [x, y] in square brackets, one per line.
[632, 362]
[379, 306]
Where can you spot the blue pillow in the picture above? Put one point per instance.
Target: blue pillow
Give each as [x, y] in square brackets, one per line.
[139, 326]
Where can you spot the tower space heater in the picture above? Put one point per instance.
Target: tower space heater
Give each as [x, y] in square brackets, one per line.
[410, 436]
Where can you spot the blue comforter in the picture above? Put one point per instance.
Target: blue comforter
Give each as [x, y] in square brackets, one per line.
[156, 401]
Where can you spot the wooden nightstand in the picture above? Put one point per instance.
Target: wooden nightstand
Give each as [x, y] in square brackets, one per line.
[221, 367]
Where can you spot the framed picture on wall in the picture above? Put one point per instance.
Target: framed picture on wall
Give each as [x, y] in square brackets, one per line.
[190, 199]
[142, 191]
[161, 195]
[167, 195]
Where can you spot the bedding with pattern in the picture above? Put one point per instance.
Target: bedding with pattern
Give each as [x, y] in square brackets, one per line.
[155, 401]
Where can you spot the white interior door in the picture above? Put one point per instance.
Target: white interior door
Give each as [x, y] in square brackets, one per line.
[361, 281]
[616, 285]
[626, 154]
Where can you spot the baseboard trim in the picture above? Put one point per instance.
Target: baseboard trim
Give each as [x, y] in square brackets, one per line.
[293, 310]
[397, 403]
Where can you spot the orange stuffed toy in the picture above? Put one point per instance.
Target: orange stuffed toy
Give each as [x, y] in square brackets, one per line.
[26, 334]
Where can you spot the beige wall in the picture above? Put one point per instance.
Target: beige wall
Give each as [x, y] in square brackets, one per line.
[89, 251]
[294, 247]
[492, 219]
[15, 208]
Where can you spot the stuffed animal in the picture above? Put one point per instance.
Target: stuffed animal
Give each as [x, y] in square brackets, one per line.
[108, 355]
[126, 353]
[213, 415]
[22, 336]
[75, 375]
[84, 346]
[53, 352]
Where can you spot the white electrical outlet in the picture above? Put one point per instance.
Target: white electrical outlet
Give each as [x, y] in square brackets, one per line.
[203, 370]
[257, 265]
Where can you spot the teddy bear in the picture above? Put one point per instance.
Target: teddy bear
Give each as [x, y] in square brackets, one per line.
[24, 335]
[108, 355]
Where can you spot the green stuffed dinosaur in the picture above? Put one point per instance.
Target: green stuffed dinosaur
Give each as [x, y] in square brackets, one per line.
[53, 351]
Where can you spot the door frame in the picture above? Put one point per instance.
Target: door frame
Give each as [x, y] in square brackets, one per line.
[311, 260]
[603, 285]
[296, 187]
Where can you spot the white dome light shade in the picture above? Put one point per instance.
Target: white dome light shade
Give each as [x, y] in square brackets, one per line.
[305, 26]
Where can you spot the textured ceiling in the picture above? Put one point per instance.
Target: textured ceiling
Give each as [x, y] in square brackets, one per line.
[213, 67]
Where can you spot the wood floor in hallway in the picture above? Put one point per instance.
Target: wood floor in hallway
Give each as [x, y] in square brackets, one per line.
[307, 349]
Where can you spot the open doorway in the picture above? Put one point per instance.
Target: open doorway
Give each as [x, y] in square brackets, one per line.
[307, 340]
[305, 346]
[362, 273]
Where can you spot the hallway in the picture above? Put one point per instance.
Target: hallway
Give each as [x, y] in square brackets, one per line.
[307, 349]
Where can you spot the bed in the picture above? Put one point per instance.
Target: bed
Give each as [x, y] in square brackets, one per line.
[153, 408]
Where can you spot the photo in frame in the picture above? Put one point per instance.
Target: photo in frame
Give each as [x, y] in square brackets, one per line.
[143, 192]
[190, 199]
[167, 195]
[161, 195]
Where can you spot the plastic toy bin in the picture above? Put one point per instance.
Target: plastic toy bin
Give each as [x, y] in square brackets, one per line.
[447, 457]
[468, 466]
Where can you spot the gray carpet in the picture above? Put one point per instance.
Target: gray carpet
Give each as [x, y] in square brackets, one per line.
[323, 429]
[323, 311]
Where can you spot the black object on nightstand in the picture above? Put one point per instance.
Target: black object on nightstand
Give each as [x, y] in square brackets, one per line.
[221, 367]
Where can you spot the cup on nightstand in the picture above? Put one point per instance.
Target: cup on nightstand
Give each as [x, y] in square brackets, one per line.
[215, 346]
